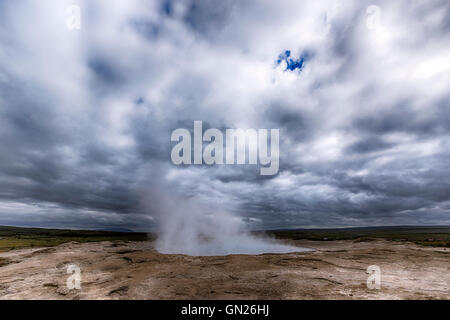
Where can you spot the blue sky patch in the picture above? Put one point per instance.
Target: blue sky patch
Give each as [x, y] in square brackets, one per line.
[167, 7]
[292, 63]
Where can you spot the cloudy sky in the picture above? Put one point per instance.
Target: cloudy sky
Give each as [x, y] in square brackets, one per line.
[359, 90]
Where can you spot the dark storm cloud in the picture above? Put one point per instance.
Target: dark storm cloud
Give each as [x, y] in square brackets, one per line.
[296, 124]
[147, 29]
[208, 17]
[402, 119]
[86, 117]
[105, 71]
[369, 145]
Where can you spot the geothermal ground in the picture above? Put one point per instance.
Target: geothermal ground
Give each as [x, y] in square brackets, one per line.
[119, 269]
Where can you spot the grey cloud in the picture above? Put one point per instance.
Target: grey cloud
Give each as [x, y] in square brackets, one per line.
[208, 17]
[364, 127]
[369, 145]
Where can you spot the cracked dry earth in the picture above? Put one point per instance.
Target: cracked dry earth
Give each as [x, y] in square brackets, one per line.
[135, 270]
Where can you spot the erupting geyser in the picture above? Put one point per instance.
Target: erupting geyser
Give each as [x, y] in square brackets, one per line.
[192, 227]
[197, 232]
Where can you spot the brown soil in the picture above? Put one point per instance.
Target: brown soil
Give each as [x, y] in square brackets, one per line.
[134, 270]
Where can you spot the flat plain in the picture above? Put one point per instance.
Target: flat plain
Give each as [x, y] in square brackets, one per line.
[414, 264]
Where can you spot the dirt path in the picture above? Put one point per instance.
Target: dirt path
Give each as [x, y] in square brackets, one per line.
[134, 270]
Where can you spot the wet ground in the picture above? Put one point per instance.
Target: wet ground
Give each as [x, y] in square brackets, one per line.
[135, 270]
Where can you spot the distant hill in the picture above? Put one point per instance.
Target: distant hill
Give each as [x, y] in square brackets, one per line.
[437, 236]
[118, 230]
[17, 237]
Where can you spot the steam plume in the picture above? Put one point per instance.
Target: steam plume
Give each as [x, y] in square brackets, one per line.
[193, 227]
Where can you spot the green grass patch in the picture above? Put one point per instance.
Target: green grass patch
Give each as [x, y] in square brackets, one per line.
[17, 238]
[427, 236]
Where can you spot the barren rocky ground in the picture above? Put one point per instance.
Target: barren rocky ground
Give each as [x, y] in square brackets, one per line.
[135, 270]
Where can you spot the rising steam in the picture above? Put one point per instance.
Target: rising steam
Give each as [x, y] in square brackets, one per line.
[191, 226]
